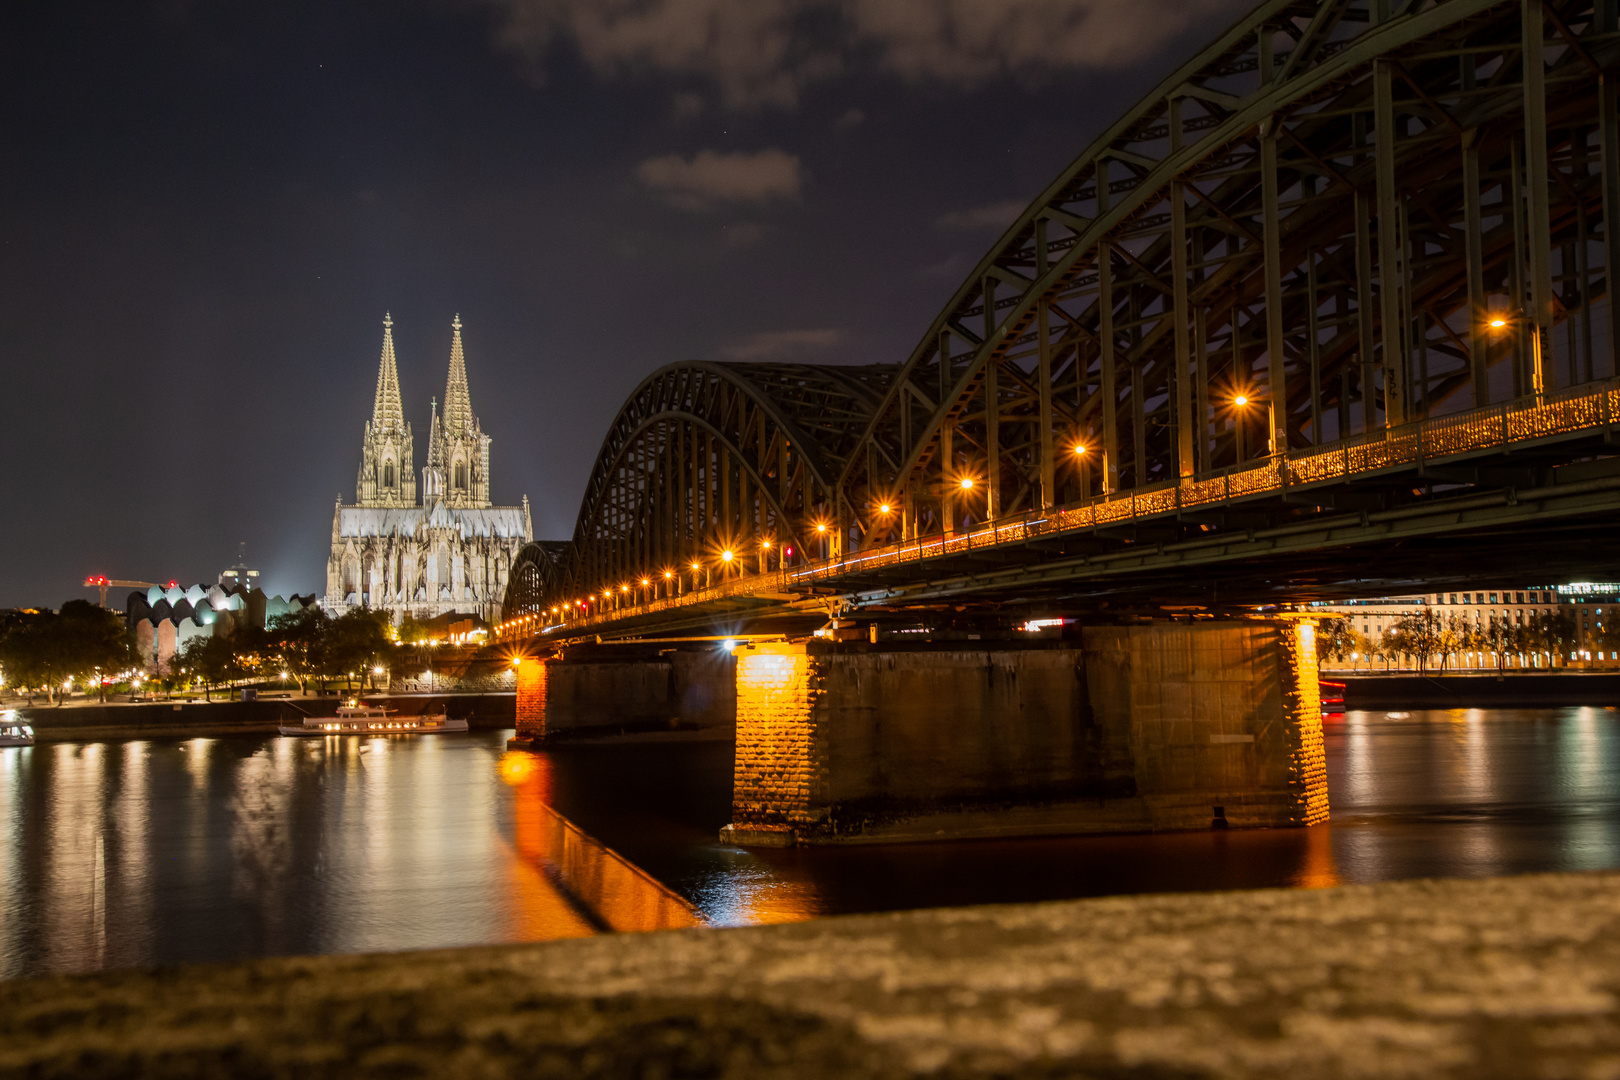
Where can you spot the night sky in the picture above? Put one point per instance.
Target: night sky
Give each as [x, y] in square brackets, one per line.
[206, 207]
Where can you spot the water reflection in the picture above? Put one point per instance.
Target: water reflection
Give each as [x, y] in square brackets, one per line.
[118, 854]
[610, 890]
[146, 852]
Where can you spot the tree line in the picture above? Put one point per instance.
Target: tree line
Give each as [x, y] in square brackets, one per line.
[46, 652]
[1423, 637]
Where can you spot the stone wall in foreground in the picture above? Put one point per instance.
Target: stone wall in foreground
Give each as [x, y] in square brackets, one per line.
[1453, 980]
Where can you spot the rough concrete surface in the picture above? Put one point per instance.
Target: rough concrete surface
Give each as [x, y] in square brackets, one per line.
[1513, 977]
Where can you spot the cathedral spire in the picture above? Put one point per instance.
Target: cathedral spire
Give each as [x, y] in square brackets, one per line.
[387, 474]
[387, 414]
[458, 414]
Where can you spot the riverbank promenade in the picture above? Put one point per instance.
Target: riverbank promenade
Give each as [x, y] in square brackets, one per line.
[1508, 977]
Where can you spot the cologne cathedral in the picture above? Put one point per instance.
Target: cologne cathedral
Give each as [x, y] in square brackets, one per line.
[450, 551]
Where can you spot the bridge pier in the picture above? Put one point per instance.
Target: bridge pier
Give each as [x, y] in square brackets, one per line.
[1160, 726]
[592, 691]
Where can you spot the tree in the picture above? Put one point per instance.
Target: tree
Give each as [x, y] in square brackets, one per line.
[358, 640]
[299, 640]
[1335, 639]
[412, 632]
[1417, 635]
[82, 641]
[213, 659]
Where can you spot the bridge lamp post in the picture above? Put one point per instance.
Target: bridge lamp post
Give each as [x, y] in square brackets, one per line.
[821, 532]
[695, 568]
[1501, 321]
[668, 577]
[726, 557]
[1243, 401]
[1080, 453]
[764, 556]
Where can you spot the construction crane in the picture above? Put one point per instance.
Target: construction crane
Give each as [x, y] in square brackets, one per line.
[105, 583]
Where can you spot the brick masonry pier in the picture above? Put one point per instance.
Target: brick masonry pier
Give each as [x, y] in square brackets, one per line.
[1133, 728]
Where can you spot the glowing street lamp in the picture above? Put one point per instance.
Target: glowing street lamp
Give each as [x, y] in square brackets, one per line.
[1501, 321]
[966, 483]
[1243, 401]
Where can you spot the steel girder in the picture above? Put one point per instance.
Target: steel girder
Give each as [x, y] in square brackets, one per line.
[1322, 212]
[704, 456]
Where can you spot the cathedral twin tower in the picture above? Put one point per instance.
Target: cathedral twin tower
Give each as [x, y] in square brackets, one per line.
[450, 551]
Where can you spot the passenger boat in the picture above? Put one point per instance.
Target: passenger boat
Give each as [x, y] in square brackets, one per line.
[357, 718]
[15, 731]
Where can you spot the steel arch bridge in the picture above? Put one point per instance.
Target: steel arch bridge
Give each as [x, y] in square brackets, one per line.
[704, 458]
[1343, 218]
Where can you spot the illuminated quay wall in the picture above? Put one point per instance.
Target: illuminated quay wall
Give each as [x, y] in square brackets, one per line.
[1133, 728]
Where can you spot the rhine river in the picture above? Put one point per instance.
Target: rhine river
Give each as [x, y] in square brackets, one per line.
[128, 853]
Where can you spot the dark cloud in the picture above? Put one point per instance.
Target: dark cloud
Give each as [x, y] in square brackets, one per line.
[709, 178]
[782, 344]
[993, 216]
[765, 53]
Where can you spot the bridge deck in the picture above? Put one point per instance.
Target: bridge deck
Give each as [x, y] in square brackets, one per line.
[1483, 470]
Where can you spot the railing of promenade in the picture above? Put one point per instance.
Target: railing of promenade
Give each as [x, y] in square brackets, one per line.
[1520, 421]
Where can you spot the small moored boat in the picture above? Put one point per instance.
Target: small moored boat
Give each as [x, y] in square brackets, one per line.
[15, 731]
[358, 718]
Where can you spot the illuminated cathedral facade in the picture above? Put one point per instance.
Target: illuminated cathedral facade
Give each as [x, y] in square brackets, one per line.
[448, 551]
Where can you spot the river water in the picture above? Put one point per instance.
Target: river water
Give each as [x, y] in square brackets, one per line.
[151, 852]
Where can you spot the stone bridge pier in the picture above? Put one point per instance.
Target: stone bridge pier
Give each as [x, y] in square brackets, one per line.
[1133, 728]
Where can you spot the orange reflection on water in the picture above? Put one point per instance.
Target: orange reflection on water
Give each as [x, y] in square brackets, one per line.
[615, 892]
[1318, 870]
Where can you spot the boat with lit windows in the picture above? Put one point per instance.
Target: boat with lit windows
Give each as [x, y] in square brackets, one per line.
[15, 731]
[358, 718]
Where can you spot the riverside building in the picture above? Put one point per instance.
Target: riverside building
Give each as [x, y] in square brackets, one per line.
[1588, 606]
[448, 550]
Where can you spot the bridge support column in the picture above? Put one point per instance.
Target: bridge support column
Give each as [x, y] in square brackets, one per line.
[533, 683]
[1134, 728]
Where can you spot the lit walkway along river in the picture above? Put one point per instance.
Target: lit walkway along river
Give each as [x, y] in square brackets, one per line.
[122, 853]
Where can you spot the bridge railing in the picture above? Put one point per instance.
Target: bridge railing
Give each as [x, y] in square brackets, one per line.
[1522, 420]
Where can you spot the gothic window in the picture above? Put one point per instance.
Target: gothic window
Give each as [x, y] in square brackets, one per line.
[388, 474]
[461, 476]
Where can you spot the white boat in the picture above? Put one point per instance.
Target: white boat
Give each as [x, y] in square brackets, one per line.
[358, 718]
[15, 731]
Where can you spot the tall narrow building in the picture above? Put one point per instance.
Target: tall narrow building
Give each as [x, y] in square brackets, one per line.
[451, 551]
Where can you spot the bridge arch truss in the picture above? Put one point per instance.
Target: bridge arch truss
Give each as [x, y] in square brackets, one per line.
[706, 457]
[1350, 214]
[1323, 213]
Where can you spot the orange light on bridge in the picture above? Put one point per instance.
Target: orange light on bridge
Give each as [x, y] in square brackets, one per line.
[1241, 400]
[885, 508]
[726, 556]
[1498, 322]
[967, 483]
[1080, 449]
